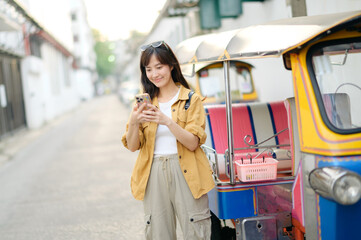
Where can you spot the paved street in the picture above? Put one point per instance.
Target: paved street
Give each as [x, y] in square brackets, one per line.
[71, 181]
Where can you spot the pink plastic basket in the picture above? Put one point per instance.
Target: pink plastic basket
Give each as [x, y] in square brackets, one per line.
[257, 170]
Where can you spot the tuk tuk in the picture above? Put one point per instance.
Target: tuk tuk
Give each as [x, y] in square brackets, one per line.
[288, 169]
[208, 82]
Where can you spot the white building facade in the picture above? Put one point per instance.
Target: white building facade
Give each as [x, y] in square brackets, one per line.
[85, 70]
[49, 73]
[175, 29]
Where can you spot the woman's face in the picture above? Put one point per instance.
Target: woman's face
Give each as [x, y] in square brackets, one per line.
[159, 74]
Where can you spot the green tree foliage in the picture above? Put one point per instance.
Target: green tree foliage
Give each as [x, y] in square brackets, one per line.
[104, 51]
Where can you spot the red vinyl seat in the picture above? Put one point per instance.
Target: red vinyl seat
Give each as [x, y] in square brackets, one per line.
[260, 121]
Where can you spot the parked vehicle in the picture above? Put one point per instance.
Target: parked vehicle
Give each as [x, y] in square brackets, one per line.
[208, 82]
[288, 169]
[127, 92]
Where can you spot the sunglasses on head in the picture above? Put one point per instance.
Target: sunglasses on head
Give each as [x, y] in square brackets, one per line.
[154, 45]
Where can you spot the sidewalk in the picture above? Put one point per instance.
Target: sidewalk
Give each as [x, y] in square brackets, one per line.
[10, 145]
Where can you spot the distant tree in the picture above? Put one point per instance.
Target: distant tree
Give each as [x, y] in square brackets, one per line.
[104, 51]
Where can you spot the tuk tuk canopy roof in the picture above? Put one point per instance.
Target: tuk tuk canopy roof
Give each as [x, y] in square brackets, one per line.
[266, 40]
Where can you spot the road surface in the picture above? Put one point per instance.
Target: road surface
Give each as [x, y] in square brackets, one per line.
[72, 181]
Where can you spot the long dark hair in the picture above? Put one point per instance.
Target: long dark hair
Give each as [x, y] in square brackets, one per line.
[165, 55]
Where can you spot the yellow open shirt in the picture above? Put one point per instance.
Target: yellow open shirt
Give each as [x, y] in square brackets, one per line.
[194, 164]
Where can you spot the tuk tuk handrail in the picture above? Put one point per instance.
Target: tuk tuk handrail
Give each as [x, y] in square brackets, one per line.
[226, 65]
[215, 167]
[254, 145]
[215, 164]
[229, 163]
[230, 160]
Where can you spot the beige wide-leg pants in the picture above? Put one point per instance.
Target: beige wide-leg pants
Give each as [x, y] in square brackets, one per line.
[167, 197]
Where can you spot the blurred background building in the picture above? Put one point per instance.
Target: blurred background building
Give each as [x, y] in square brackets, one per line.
[51, 60]
[47, 61]
[84, 55]
[182, 19]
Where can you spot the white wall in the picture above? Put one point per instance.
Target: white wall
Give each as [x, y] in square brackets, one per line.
[49, 89]
[83, 50]
[331, 6]
[32, 79]
[171, 30]
[61, 92]
[12, 41]
[131, 71]
[54, 16]
[85, 87]
[257, 13]
[272, 81]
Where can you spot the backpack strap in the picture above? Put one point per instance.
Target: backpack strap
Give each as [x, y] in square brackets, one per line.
[188, 102]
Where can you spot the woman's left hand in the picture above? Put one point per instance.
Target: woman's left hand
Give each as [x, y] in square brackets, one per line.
[153, 114]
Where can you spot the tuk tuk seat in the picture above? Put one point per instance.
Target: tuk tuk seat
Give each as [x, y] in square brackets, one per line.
[260, 121]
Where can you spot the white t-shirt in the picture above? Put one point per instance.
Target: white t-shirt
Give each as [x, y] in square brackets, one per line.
[165, 141]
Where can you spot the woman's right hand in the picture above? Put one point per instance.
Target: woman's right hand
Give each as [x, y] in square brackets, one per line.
[136, 118]
[137, 115]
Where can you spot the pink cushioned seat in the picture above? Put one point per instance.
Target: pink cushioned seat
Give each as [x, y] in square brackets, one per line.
[258, 120]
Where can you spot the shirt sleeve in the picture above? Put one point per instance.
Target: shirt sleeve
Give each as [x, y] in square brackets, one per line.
[196, 119]
[141, 136]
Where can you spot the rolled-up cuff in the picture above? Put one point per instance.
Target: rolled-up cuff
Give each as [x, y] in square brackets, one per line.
[141, 139]
[197, 131]
[124, 140]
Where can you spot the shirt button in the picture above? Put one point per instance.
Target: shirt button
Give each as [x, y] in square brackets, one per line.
[173, 110]
[185, 171]
[180, 157]
[192, 219]
[148, 222]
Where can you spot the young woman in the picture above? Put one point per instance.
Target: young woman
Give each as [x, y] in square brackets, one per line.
[172, 174]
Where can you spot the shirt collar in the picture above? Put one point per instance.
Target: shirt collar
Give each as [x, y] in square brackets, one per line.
[183, 94]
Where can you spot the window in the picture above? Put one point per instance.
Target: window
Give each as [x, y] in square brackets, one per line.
[75, 38]
[336, 80]
[73, 16]
[211, 81]
[66, 71]
[35, 46]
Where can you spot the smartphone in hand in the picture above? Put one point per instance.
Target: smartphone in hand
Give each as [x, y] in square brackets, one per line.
[142, 98]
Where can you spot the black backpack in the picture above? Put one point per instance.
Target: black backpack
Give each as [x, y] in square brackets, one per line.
[188, 102]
